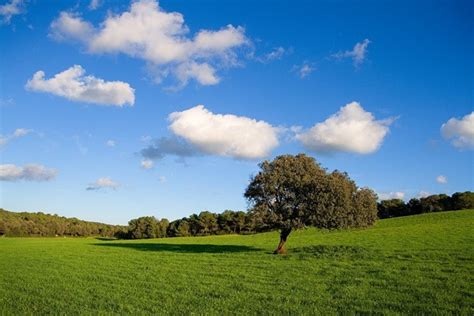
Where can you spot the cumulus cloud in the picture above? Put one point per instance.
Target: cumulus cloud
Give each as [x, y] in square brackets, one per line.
[30, 172]
[74, 85]
[10, 9]
[168, 146]
[351, 129]
[460, 131]
[19, 132]
[202, 73]
[224, 135]
[147, 163]
[103, 183]
[160, 38]
[70, 25]
[391, 195]
[357, 54]
[441, 179]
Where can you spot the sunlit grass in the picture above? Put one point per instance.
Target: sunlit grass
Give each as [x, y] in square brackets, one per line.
[417, 264]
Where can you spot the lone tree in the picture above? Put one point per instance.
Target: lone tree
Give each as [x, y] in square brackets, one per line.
[291, 192]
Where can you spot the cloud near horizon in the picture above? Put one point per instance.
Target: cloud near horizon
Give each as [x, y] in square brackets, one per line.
[351, 129]
[160, 38]
[74, 85]
[30, 172]
[103, 183]
[391, 195]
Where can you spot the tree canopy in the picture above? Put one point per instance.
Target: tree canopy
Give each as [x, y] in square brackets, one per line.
[295, 191]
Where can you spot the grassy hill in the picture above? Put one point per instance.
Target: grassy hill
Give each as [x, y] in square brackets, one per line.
[415, 264]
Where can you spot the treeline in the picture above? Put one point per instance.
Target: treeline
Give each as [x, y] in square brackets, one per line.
[202, 224]
[39, 224]
[429, 204]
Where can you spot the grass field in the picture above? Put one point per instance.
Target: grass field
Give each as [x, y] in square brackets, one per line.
[417, 264]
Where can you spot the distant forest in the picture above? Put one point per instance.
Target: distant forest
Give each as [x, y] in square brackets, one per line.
[26, 224]
[428, 204]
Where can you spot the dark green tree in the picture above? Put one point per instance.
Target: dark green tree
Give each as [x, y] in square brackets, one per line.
[462, 200]
[392, 208]
[143, 227]
[294, 191]
[225, 221]
[207, 223]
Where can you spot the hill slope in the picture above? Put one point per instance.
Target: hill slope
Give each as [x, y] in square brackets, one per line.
[413, 264]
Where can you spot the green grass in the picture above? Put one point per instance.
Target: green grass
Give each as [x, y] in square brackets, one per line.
[418, 264]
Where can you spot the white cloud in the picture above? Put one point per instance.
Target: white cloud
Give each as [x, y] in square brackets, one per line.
[391, 195]
[71, 26]
[8, 10]
[441, 179]
[110, 143]
[94, 4]
[460, 131]
[161, 38]
[304, 70]
[351, 129]
[74, 85]
[19, 132]
[276, 54]
[423, 194]
[103, 183]
[30, 172]
[358, 53]
[224, 135]
[147, 164]
[202, 73]
[162, 179]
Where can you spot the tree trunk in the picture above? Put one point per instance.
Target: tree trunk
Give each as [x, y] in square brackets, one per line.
[283, 236]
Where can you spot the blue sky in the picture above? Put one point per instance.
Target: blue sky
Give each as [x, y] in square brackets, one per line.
[272, 78]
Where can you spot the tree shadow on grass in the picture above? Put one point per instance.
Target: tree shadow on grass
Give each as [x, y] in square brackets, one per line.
[333, 252]
[181, 248]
